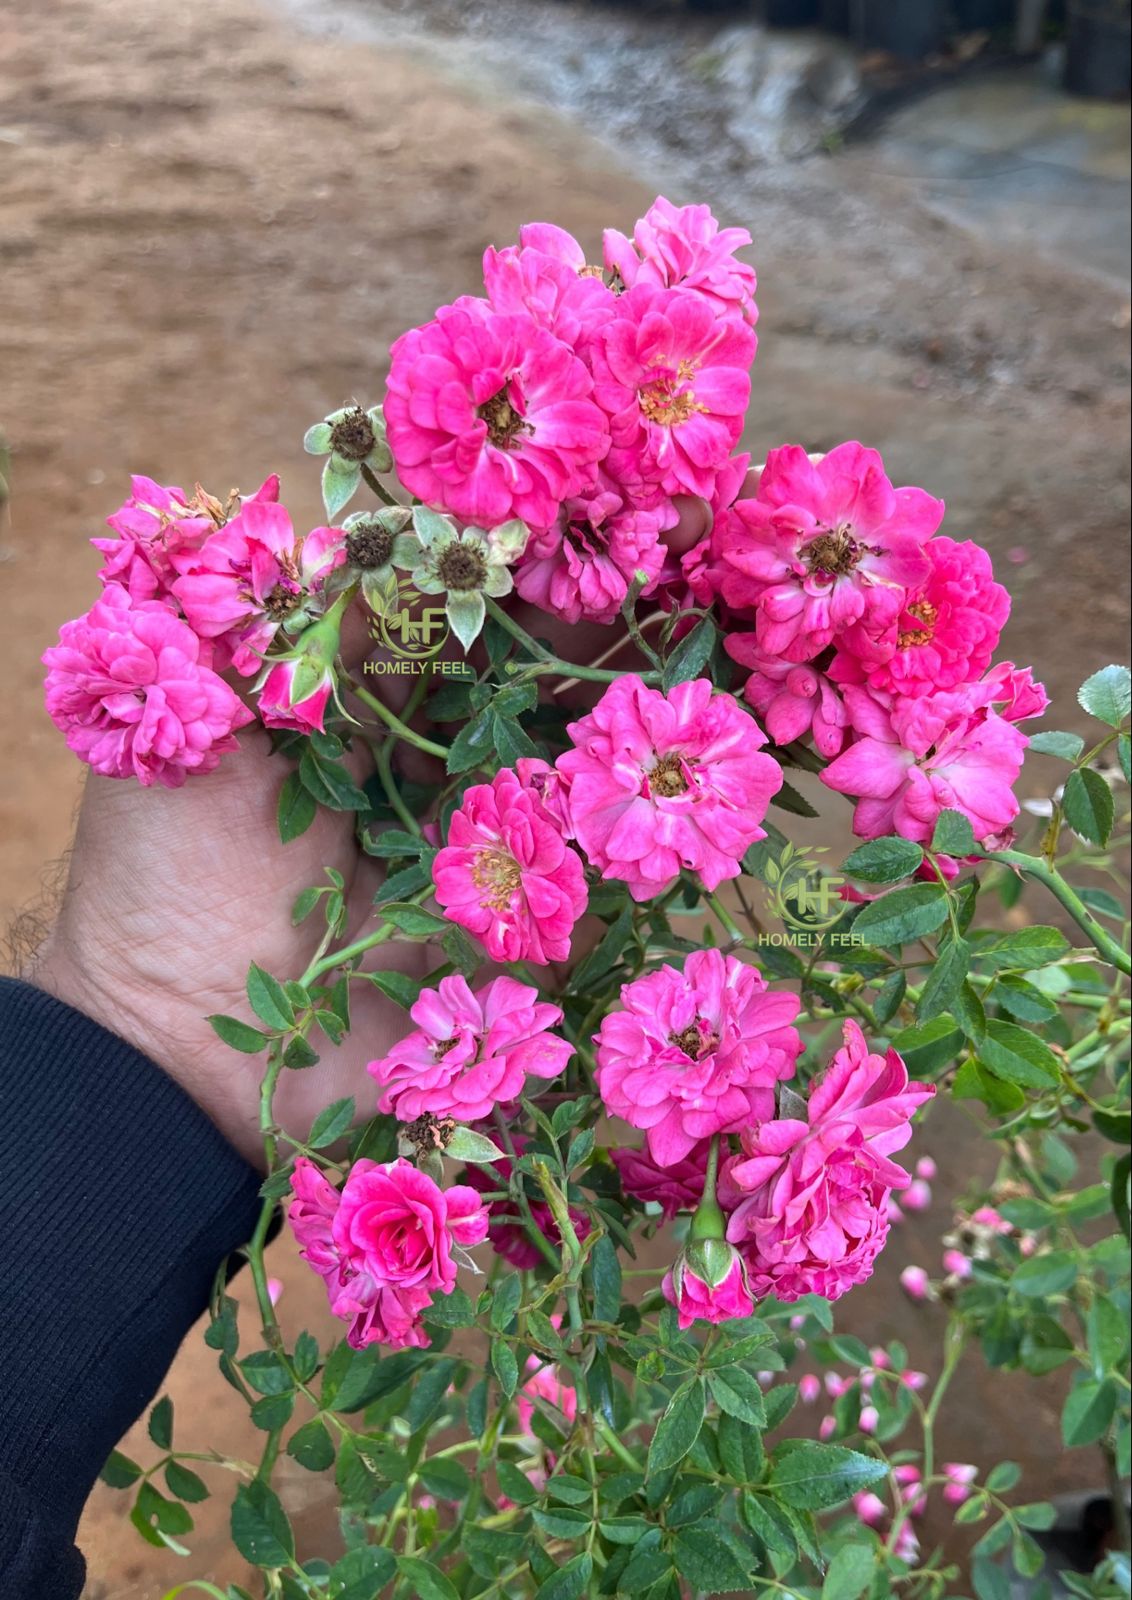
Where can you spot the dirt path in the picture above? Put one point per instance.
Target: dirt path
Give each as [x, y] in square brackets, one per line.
[212, 230]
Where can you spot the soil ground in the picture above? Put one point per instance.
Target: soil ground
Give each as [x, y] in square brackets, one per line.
[213, 227]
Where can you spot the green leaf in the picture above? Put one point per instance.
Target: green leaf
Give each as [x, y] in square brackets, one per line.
[311, 1446]
[268, 999]
[1049, 1273]
[465, 1144]
[953, 834]
[300, 1053]
[1107, 695]
[1023, 1000]
[737, 1393]
[430, 1389]
[1121, 1194]
[260, 1529]
[413, 921]
[884, 860]
[690, 656]
[605, 954]
[902, 915]
[890, 997]
[296, 809]
[238, 1035]
[453, 1310]
[1019, 952]
[505, 1366]
[813, 1477]
[330, 784]
[515, 1484]
[605, 1275]
[161, 1423]
[505, 1302]
[945, 979]
[426, 1582]
[1087, 1412]
[972, 1082]
[928, 1046]
[473, 745]
[361, 1573]
[990, 1580]
[183, 1483]
[118, 1471]
[569, 1581]
[397, 986]
[1020, 1057]
[850, 1572]
[1088, 805]
[711, 1559]
[787, 798]
[678, 1428]
[331, 1123]
[272, 1412]
[1065, 746]
[512, 741]
[740, 1449]
[1115, 1125]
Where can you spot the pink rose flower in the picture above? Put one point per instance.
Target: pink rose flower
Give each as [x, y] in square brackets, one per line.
[582, 567]
[790, 698]
[674, 1188]
[128, 686]
[471, 1051]
[546, 278]
[384, 1244]
[662, 782]
[490, 416]
[942, 751]
[158, 523]
[254, 577]
[684, 247]
[708, 1283]
[808, 1199]
[507, 1233]
[1013, 692]
[283, 704]
[545, 1383]
[508, 875]
[825, 548]
[949, 625]
[696, 1052]
[674, 379]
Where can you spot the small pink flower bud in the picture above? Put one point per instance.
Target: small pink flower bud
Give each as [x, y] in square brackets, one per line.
[870, 1508]
[274, 1290]
[915, 1282]
[917, 1196]
[960, 1476]
[913, 1379]
[835, 1385]
[869, 1418]
[709, 1283]
[926, 1168]
[956, 1263]
[1027, 1244]
[878, 1355]
[809, 1388]
[895, 1215]
[828, 1428]
[907, 1546]
[988, 1217]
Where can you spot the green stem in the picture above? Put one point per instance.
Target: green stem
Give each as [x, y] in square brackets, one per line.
[374, 483]
[394, 723]
[383, 761]
[723, 916]
[564, 669]
[1037, 869]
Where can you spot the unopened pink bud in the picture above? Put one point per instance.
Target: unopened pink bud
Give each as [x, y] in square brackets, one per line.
[797, 1323]
[907, 1546]
[879, 1357]
[274, 1290]
[988, 1217]
[869, 1418]
[809, 1387]
[960, 1476]
[955, 1262]
[913, 1379]
[895, 1215]
[915, 1282]
[828, 1428]
[917, 1196]
[835, 1385]
[926, 1168]
[1027, 1244]
[870, 1508]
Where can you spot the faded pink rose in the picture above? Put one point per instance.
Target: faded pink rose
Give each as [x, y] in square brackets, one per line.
[674, 379]
[384, 1244]
[949, 625]
[808, 1200]
[708, 1283]
[157, 523]
[696, 1052]
[128, 686]
[490, 416]
[508, 875]
[471, 1052]
[582, 567]
[944, 751]
[792, 699]
[664, 782]
[674, 1188]
[826, 550]
[684, 247]
[254, 577]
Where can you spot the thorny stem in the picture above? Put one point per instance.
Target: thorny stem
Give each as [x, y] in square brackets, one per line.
[394, 723]
[1037, 869]
[547, 658]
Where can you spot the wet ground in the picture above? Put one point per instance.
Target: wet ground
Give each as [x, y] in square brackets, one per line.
[215, 222]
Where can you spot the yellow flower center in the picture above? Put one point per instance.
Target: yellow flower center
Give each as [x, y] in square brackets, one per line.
[496, 875]
[924, 612]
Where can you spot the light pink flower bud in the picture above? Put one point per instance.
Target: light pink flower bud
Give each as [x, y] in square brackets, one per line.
[828, 1428]
[870, 1508]
[869, 1419]
[809, 1387]
[275, 1290]
[917, 1196]
[960, 1476]
[955, 1262]
[708, 1283]
[907, 1546]
[913, 1379]
[835, 1385]
[915, 1281]
[927, 1169]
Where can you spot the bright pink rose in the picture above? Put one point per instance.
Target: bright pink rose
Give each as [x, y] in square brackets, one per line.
[128, 687]
[1013, 693]
[791, 699]
[708, 1284]
[675, 1188]
[949, 626]
[945, 751]
[825, 549]
[384, 1244]
[544, 1383]
[254, 577]
[661, 782]
[674, 378]
[696, 1052]
[547, 280]
[684, 246]
[489, 416]
[808, 1200]
[508, 875]
[156, 523]
[507, 1227]
[582, 567]
[471, 1051]
[279, 707]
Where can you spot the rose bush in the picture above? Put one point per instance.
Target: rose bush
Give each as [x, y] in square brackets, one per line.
[652, 1030]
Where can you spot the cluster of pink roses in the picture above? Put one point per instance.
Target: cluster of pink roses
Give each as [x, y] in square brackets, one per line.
[864, 628]
[581, 399]
[192, 588]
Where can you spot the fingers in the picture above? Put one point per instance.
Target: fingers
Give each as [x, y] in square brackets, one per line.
[694, 524]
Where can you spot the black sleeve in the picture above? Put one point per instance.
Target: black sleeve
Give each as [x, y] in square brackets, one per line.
[118, 1200]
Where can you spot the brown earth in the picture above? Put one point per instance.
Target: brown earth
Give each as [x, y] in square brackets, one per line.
[212, 230]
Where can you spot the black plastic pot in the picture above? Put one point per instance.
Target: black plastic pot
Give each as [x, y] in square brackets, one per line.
[911, 29]
[1097, 52]
[790, 13]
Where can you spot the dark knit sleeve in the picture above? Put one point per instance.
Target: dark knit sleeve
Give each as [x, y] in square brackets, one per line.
[118, 1201]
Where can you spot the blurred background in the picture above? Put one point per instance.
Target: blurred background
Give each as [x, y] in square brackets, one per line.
[216, 216]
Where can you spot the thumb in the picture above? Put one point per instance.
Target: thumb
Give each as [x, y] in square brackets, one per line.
[693, 524]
